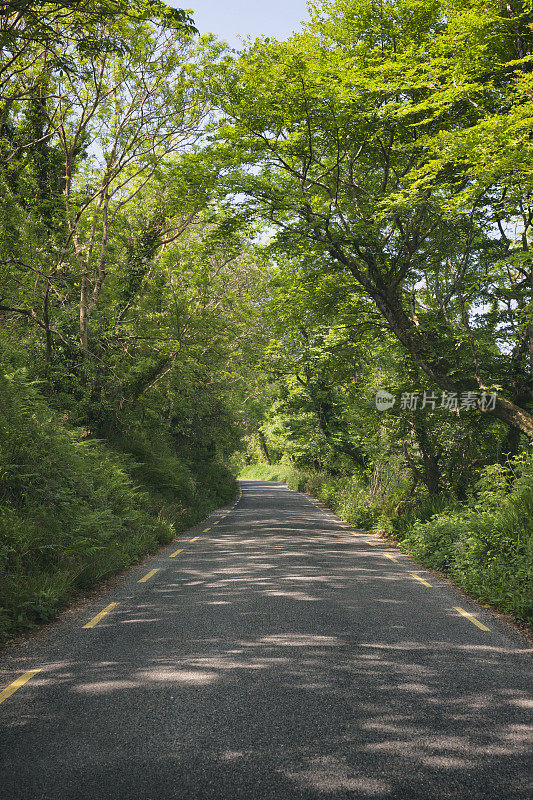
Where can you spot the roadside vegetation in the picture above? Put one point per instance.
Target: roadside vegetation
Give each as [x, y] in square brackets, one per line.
[212, 261]
[75, 509]
[123, 297]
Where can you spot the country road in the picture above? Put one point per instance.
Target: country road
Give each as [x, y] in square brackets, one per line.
[270, 653]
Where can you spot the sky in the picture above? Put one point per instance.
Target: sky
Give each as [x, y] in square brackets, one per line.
[230, 18]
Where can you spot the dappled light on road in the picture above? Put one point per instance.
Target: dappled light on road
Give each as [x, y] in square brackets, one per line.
[279, 657]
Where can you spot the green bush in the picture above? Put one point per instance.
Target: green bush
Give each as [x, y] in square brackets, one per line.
[73, 511]
[487, 547]
[283, 473]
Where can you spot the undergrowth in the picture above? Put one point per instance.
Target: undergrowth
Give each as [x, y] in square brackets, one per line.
[74, 510]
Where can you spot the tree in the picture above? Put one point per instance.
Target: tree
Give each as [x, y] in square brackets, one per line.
[354, 135]
[113, 126]
[40, 37]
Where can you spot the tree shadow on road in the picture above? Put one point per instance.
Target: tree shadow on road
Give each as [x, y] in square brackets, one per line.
[279, 660]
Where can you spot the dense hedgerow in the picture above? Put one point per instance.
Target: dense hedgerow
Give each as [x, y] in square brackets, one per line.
[485, 545]
[73, 511]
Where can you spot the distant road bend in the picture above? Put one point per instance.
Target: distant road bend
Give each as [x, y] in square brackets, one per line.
[271, 653]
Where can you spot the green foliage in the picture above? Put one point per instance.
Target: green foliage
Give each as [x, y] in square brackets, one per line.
[487, 546]
[73, 511]
[387, 144]
[282, 473]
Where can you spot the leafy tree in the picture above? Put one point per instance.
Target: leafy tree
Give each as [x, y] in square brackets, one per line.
[355, 139]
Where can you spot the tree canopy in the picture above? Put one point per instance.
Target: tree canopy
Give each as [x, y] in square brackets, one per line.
[365, 141]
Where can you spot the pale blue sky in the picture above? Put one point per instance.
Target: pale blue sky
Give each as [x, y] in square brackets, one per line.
[229, 18]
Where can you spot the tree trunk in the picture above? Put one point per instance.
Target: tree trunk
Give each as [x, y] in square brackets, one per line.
[510, 444]
[430, 458]
[435, 366]
[84, 312]
[263, 446]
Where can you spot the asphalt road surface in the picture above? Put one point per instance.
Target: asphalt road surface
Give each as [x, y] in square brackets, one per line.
[279, 654]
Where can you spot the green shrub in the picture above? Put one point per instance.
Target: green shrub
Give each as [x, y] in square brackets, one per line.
[73, 511]
[487, 547]
[282, 473]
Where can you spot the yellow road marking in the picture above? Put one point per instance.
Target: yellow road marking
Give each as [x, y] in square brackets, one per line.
[354, 534]
[99, 616]
[195, 538]
[148, 575]
[172, 555]
[216, 523]
[205, 530]
[9, 690]
[471, 618]
[374, 544]
[418, 578]
[391, 558]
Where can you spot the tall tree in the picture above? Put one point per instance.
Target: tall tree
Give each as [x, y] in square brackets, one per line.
[111, 127]
[354, 136]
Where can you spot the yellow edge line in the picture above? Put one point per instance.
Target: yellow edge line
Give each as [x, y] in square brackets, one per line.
[374, 544]
[471, 618]
[418, 578]
[9, 690]
[205, 530]
[172, 555]
[354, 534]
[99, 616]
[149, 575]
[391, 558]
[195, 538]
